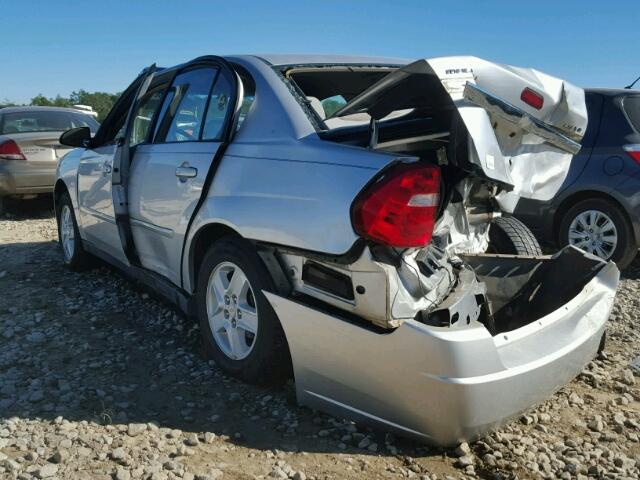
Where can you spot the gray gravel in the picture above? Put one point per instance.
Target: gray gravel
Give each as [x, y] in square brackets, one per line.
[100, 380]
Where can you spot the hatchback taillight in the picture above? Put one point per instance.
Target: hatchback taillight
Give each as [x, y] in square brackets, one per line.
[633, 151]
[399, 210]
[10, 150]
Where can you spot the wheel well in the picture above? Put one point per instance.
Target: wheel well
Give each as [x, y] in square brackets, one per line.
[570, 201]
[202, 240]
[58, 190]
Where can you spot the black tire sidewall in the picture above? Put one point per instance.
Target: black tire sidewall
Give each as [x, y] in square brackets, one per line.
[626, 249]
[508, 235]
[267, 362]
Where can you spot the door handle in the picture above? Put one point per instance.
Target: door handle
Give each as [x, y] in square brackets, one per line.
[106, 168]
[184, 171]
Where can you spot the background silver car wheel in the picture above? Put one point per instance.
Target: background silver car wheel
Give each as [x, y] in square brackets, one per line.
[232, 311]
[595, 232]
[67, 233]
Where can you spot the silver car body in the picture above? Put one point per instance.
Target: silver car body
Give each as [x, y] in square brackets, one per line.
[281, 184]
[42, 150]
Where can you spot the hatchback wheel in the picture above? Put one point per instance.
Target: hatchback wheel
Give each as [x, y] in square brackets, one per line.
[240, 329]
[68, 236]
[599, 227]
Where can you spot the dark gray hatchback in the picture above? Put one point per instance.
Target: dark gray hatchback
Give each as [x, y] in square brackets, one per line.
[598, 207]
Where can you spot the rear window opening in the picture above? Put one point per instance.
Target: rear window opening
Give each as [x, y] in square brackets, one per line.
[418, 123]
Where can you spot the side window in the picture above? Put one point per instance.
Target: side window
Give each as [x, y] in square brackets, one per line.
[144, 116]
[185, 104]
[219, 107]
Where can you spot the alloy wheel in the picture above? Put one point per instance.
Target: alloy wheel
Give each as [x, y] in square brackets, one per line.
[67, 233]
[232, 311]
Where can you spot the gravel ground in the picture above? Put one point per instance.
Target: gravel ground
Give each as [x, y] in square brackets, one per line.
[99, 380]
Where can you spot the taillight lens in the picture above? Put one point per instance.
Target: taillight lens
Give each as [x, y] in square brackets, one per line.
[532, 98]
[10, 150]
[633, 151]
[400, 209]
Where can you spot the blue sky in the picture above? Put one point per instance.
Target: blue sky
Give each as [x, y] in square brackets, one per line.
[55, 47]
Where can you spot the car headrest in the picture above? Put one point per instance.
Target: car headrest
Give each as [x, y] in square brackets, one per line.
[316, 104]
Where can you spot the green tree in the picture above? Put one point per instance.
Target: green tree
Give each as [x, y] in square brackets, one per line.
[101, 102]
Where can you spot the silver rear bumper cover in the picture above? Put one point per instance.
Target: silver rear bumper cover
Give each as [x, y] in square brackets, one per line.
[439, 385]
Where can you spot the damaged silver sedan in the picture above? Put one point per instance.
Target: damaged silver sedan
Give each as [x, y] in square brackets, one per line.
[347, 218]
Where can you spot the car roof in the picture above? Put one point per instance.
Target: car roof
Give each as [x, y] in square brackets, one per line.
[279, 60]
[34, 108]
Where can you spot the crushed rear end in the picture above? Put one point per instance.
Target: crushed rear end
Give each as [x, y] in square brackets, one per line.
[419, 329]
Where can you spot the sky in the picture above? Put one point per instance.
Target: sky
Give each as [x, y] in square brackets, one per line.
[55, 47]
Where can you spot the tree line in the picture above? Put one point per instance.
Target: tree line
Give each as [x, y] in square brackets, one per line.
[101, 102]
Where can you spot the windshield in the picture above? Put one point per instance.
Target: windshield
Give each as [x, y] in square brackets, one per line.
[45, 121]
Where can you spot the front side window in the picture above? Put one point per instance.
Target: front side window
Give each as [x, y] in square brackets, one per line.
[185, 105]
[144, 116]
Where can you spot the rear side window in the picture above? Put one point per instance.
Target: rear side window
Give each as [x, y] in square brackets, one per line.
[218, 109]
[43, 121]
[631, 107]
[185, 106]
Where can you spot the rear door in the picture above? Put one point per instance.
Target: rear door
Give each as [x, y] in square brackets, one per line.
[169, 170]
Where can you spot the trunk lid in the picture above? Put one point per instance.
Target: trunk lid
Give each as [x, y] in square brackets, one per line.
[39, 146]
[527, 146]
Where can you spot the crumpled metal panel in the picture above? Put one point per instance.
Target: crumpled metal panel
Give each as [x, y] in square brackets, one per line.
[530, 150]
[438, 384]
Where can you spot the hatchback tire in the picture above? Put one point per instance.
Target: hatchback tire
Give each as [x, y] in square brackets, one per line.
[73, 253]
[240, 330]
[600, 227]
[508, 235]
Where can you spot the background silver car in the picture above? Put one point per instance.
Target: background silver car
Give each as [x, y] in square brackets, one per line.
[338, 215]
[30, 149]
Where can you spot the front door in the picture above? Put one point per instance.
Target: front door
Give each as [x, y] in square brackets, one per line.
[96, 211]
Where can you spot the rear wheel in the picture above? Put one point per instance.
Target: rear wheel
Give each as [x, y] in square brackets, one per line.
[508, 235]
[599, 227]
[240, 329]
[68, 235]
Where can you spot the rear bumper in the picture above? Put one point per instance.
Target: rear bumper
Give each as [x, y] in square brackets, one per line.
[442, 385]
[24, 179]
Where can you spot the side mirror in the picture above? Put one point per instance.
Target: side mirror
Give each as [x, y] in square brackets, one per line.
[76, 137]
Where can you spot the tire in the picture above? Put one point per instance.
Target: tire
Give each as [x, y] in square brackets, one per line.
[508, 235]
[625, 247]
[3, 204]
[73, 252]
[260, 356]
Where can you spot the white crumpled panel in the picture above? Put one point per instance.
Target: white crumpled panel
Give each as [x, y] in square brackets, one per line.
[505, 150]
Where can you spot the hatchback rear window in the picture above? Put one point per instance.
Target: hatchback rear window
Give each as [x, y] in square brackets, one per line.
[632, 109]
[22, 122]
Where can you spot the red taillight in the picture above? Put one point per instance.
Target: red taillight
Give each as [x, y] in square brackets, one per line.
[10, 150]
[532, 98]
[633, 151]
[400, 209]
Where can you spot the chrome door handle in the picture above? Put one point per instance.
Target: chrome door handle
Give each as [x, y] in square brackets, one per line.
[183, 172]
[106, 168]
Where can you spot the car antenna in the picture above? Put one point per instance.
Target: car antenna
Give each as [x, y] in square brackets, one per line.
[630, 86]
